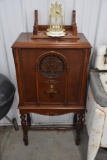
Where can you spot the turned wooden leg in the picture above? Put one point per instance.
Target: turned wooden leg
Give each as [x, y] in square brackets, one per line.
[28, 120]
[75, 120]
[79, 127]
[25, 129]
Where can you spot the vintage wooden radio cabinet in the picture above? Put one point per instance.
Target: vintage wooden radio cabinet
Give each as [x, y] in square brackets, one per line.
[51, 74]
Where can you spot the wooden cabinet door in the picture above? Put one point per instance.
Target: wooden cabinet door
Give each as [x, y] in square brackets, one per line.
[52, 76]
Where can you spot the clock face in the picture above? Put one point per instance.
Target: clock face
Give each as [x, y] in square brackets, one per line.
[56, 10]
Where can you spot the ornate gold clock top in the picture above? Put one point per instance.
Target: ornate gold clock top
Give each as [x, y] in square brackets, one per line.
[56, 21]
[56, 10]
[56, 27]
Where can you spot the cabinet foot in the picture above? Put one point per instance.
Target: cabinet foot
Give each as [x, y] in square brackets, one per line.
[79, 127]
[28, 120]
[25, 129]
[75, 120]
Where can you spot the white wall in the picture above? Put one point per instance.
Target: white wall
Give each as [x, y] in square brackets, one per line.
[17, 16]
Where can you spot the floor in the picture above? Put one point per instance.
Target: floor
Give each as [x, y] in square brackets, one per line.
[44, 145]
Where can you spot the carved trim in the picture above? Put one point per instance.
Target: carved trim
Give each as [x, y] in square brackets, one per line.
[52, 53]
[22, 74]
[81, 73]
[28, 119]
[35, 27]
[37, 90]
[78, 91]
[52, 82]
[25, 129]
[74, 25]
[79, 127]
[64, 60]
[18, 72]
[51, 66]
[52, 91]
[84, 77]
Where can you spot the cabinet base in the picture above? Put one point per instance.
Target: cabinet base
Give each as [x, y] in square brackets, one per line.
[77, 124]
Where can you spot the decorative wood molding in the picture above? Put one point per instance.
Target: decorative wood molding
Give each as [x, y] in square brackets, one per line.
[52, 53]
[35, 27]
[51, 69]
[51, 66]
[74, 25]
[25, 129]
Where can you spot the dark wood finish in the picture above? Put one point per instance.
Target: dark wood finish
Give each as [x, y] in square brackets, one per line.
[75, 120]
[105, 57]
[35, 27]
[79, 127]
[51, 76]
[74, 25]
[25, 129]
[52, 127]
[28, 120]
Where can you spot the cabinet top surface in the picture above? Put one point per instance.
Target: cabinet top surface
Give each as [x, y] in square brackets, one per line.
[42, 41]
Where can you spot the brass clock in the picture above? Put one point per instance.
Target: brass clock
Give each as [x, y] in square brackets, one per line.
[56, 21]
[56, 10]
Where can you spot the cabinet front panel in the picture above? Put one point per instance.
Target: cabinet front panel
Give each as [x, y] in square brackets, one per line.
[50, 88]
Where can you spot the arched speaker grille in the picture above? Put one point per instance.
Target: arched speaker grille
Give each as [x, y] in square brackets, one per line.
[51, 66]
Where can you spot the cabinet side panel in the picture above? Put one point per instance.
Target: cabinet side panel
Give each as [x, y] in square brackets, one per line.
[84, 77]
[18, 74]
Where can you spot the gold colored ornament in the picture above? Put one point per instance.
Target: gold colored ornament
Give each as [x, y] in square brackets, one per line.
[56, 21]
